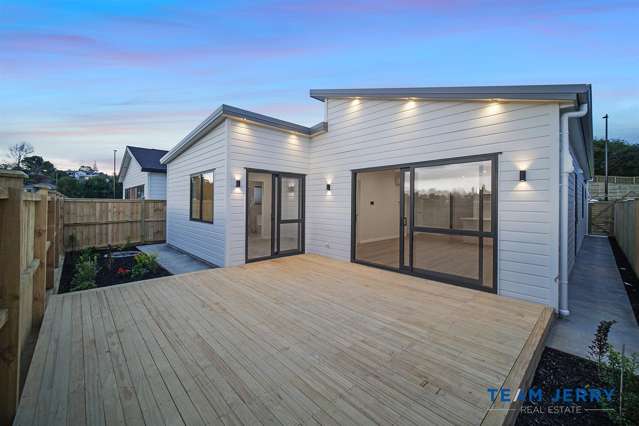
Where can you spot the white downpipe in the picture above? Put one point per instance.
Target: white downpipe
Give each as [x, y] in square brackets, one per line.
[566, 169]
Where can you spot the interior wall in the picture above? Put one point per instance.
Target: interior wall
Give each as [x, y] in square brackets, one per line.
[261, 220]
[377, 205]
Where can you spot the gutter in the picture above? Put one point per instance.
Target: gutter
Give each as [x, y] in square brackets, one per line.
[566, 168]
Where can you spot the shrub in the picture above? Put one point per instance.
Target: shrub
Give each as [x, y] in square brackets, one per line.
[612, 365]
[144, 263]
[85, 271]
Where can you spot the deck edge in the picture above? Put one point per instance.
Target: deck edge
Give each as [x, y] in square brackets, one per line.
[522, 372]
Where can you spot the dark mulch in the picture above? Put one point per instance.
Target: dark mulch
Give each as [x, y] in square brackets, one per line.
[627, 275]
[105, 277]
[559, 370]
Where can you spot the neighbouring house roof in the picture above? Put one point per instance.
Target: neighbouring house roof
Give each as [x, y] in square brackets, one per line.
[227, 111]
[148, 158]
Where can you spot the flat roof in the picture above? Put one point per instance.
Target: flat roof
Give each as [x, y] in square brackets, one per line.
[548, 92]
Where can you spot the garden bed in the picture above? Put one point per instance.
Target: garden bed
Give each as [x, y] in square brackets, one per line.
[560, 370]
[628, 276]
[115, 271]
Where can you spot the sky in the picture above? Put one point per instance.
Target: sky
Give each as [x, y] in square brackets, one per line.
[79, 79]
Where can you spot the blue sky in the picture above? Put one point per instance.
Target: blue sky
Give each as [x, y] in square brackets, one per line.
[79, 78]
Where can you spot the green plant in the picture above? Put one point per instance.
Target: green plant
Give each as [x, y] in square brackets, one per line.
[617, 371]
[628, 412]
[599, 346]
[85, 272]
[127, 245]
[144, 263]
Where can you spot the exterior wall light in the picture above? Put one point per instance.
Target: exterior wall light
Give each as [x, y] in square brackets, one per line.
[328, 186]
[522, 176]
[238, 183]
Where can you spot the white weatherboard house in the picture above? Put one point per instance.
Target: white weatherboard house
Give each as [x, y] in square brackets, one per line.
[142, 175]
[476, 186]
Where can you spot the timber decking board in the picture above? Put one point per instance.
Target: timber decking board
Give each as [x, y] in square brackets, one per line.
[297, 340]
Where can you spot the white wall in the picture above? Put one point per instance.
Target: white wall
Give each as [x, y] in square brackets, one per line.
[156, 186]
[134, 177]
[257, 147]
[368, 133]
[204, 240]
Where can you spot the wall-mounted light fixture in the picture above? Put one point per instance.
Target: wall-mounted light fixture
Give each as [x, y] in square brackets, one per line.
[328, 186]
[522, 176]
[238, 183]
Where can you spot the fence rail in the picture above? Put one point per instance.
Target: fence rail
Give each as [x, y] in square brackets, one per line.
[626, 180]
[30, 249]
[100, 222]
[626, 228]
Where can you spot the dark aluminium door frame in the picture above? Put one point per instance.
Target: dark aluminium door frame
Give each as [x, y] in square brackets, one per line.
[409, 269]
[276, 220]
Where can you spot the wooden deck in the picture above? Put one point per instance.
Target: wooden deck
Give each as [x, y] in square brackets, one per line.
[297, 340]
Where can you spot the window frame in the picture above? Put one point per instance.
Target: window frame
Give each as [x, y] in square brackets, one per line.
[136, 189]
[201, 204]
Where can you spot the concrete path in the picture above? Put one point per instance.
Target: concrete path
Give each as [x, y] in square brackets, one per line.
[596, 292]
[174, 261]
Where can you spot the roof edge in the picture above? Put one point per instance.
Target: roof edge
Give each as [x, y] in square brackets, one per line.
[553, 92]
[227, 111]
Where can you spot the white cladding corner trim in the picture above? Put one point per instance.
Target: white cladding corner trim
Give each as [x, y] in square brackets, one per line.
[566, 169]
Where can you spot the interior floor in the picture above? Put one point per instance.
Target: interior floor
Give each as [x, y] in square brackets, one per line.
[438, 253]
[261, 247]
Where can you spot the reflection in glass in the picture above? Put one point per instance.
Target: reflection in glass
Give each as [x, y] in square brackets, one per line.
[448, 196]
[448, 254]
[258, 226]
[289, 236]
[290, 198]
[196, 191]
[207, 197]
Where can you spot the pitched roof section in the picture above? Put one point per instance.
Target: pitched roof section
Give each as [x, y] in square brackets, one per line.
[227, 111]
[149, 159]
[553, 92]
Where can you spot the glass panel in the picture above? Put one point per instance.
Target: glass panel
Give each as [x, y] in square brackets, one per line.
[207, 197]
[406, 218]
[195, 196]
[488, 199]
[290, 198]
[258, 226]
[488, 263]
[289, 236]
[447, 196]
[377, 205]
[450, 254]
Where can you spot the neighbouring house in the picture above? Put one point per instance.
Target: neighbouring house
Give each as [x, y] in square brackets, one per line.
[142, 175]
[482, 187]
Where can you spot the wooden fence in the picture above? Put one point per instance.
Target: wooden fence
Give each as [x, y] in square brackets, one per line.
[30, 263]
[626, 230]
[99, 222]
[601, 218]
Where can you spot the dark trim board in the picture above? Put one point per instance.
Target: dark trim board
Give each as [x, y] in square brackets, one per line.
[481, 234]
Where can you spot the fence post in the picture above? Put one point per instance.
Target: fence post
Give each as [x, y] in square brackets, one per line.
[143, 222]
[51, 237]
[40, 252]
[10, 252]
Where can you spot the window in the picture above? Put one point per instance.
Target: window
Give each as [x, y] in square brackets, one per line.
[202, 197]
[135, 193]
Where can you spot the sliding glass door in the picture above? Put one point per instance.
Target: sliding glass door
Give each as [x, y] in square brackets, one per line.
[274, 214]
[446, 215]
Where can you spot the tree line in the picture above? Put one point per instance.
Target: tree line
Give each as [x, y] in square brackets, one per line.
[39, 170]
[623, 157]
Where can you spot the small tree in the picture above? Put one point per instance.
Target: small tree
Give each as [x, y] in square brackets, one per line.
[18, 151]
